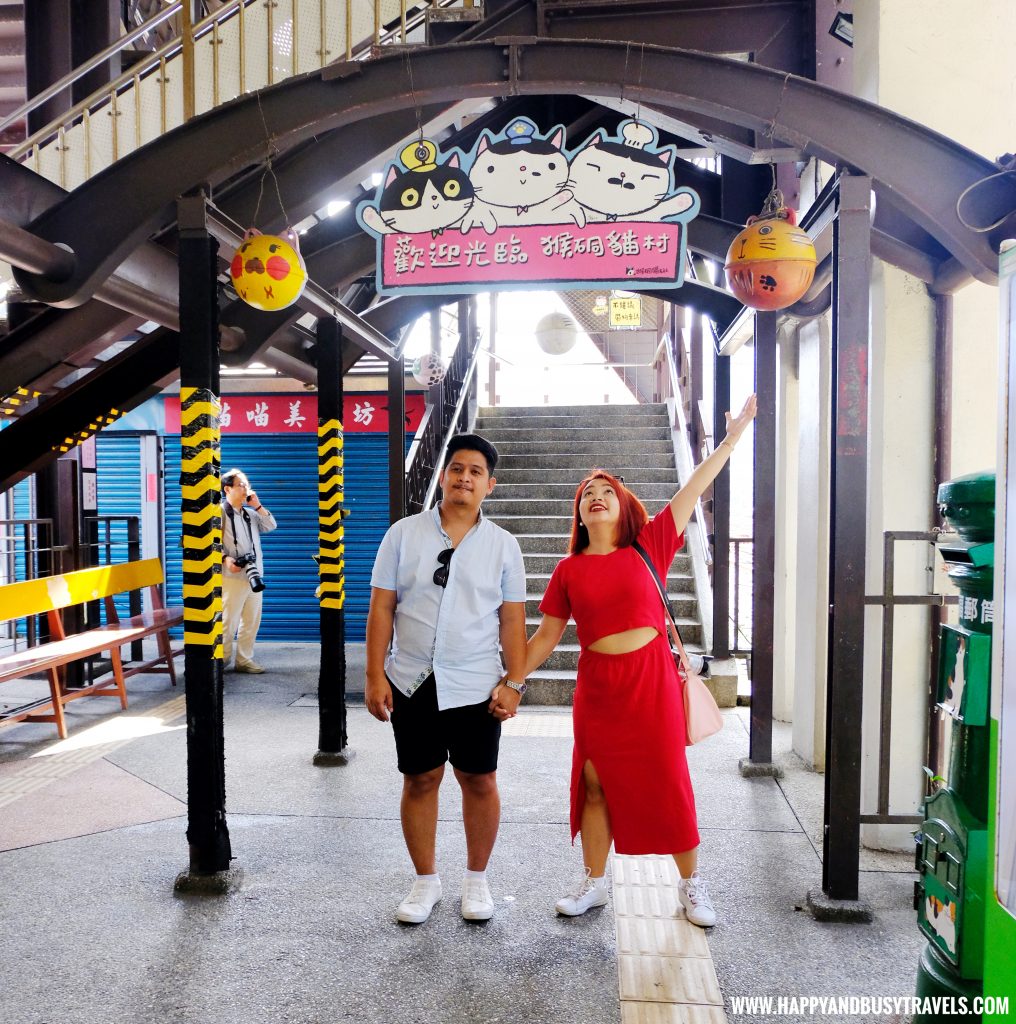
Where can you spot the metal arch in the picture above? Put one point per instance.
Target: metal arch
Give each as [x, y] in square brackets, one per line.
[134, 193]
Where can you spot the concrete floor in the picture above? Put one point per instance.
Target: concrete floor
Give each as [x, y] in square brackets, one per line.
[92, 836]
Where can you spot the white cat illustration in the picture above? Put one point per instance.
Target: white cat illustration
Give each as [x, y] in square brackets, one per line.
[428, 196]
[957, 682]
[630, 179]
[942, 918]
[522, 179]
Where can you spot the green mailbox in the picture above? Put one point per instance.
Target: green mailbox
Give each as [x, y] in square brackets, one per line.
[952, 843]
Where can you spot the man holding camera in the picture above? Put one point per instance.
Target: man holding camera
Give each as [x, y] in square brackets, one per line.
[244, 519]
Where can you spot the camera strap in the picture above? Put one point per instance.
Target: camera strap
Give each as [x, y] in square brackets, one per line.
[232, 525]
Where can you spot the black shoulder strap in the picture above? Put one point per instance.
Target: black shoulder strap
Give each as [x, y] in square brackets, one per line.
[644, 555]
[677, 642]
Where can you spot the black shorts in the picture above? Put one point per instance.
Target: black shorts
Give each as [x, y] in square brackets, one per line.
[425, 737]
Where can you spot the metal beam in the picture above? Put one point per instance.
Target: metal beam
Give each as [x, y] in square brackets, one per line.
[121, 383]
[837, 128]
[763, 573]
[314, 298]
[849, 491]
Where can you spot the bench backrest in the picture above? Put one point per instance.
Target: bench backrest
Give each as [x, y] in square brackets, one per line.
[49, 593]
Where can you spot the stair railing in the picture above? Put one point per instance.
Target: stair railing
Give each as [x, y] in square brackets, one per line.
[675, 385]
[448, 416]
[187, 74]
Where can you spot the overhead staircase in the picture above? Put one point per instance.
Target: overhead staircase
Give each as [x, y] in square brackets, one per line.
[544, 452]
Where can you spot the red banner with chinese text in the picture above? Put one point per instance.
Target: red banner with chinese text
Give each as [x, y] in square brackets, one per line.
[297, 414]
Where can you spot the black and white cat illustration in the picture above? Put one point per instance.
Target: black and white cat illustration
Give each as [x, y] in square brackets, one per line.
[629, 178]
[521, 179]
[427, 196]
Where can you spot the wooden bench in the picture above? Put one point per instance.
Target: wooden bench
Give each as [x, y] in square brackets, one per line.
[49, 595]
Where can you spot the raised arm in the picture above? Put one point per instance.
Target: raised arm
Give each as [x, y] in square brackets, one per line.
[683, 503]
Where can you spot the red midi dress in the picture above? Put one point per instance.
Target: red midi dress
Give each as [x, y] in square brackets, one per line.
[629, 708]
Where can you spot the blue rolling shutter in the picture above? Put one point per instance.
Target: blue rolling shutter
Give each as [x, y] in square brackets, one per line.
[119, 481]
[283, 470]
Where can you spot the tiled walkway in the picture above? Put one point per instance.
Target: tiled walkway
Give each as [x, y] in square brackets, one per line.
[91, 830]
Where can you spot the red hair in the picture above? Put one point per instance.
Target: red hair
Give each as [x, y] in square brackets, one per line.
[632, 518]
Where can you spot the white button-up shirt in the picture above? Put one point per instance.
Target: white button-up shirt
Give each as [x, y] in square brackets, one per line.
[452, 631]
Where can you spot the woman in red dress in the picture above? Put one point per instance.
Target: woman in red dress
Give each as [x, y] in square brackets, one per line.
[630, 782]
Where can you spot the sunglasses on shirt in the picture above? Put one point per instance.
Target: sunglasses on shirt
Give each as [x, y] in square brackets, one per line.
[441, 572]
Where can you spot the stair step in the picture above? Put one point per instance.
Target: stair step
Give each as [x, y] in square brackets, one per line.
[663, 491]
[520, 471]
[650, 419]
[604, 435]
[497, 508]
[628, 466]
[575, 444]
[603, 410]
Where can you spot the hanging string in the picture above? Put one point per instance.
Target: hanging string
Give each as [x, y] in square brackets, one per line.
[638, 107]
[270, 150]
[624, 76]
[412, 89]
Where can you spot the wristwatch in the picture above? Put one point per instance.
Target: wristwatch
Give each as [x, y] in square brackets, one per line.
[519, 688]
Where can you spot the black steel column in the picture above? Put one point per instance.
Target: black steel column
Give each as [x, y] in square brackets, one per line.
[848, 493]
[396, 440]
[331, 548]
[201, 495]
[721, 515]
[763, 572]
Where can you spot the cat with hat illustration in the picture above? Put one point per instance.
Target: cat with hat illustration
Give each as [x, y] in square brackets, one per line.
[521, 178]
[425, 197]
[629, 177]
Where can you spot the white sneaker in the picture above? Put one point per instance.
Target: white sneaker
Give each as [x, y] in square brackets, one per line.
[589, 894]
[694, 897]
[416, 907]
[477, 902]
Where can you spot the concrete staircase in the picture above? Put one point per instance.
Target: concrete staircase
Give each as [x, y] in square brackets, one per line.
[544, 452]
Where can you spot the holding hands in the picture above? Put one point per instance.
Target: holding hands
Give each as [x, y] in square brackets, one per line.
[504, 701]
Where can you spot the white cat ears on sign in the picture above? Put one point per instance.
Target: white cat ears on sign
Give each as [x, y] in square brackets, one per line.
[522, 210]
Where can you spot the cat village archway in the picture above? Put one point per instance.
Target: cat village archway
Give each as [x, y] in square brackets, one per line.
[419, 116]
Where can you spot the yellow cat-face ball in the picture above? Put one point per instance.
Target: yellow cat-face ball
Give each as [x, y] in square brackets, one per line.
[268, 271]
[771, 263]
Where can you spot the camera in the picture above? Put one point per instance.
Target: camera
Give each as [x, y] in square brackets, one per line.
[248, 563]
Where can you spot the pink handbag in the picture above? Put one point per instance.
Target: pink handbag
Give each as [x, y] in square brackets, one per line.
[702, 717]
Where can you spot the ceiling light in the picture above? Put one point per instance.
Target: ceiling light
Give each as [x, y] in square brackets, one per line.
[336, 206]
[842, 28]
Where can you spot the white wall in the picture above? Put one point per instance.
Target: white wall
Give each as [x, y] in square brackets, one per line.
[810, 638]
[949, 67]
[785, 555]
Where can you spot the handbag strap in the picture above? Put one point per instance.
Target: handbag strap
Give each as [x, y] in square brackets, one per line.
[671, 620]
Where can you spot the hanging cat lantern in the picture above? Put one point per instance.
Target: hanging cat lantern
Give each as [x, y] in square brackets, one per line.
[268, 271]
[771, 263]
[522, 210]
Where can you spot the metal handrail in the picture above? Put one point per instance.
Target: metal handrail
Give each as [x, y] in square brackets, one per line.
[675, 390]
[426, 453]
[110, 89]
[90, 65]
[428, 501]
[180, 45]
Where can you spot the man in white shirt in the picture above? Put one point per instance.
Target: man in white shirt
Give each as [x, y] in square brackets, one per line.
[447, 585]
[244, 519]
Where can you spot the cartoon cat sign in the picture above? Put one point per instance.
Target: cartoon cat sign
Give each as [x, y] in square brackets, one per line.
[522, 210]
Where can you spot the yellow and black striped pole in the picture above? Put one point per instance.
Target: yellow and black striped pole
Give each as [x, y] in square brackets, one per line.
[332, 737]
[201, 498]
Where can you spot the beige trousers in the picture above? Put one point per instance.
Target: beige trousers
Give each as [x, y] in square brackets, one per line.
[241, 617]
